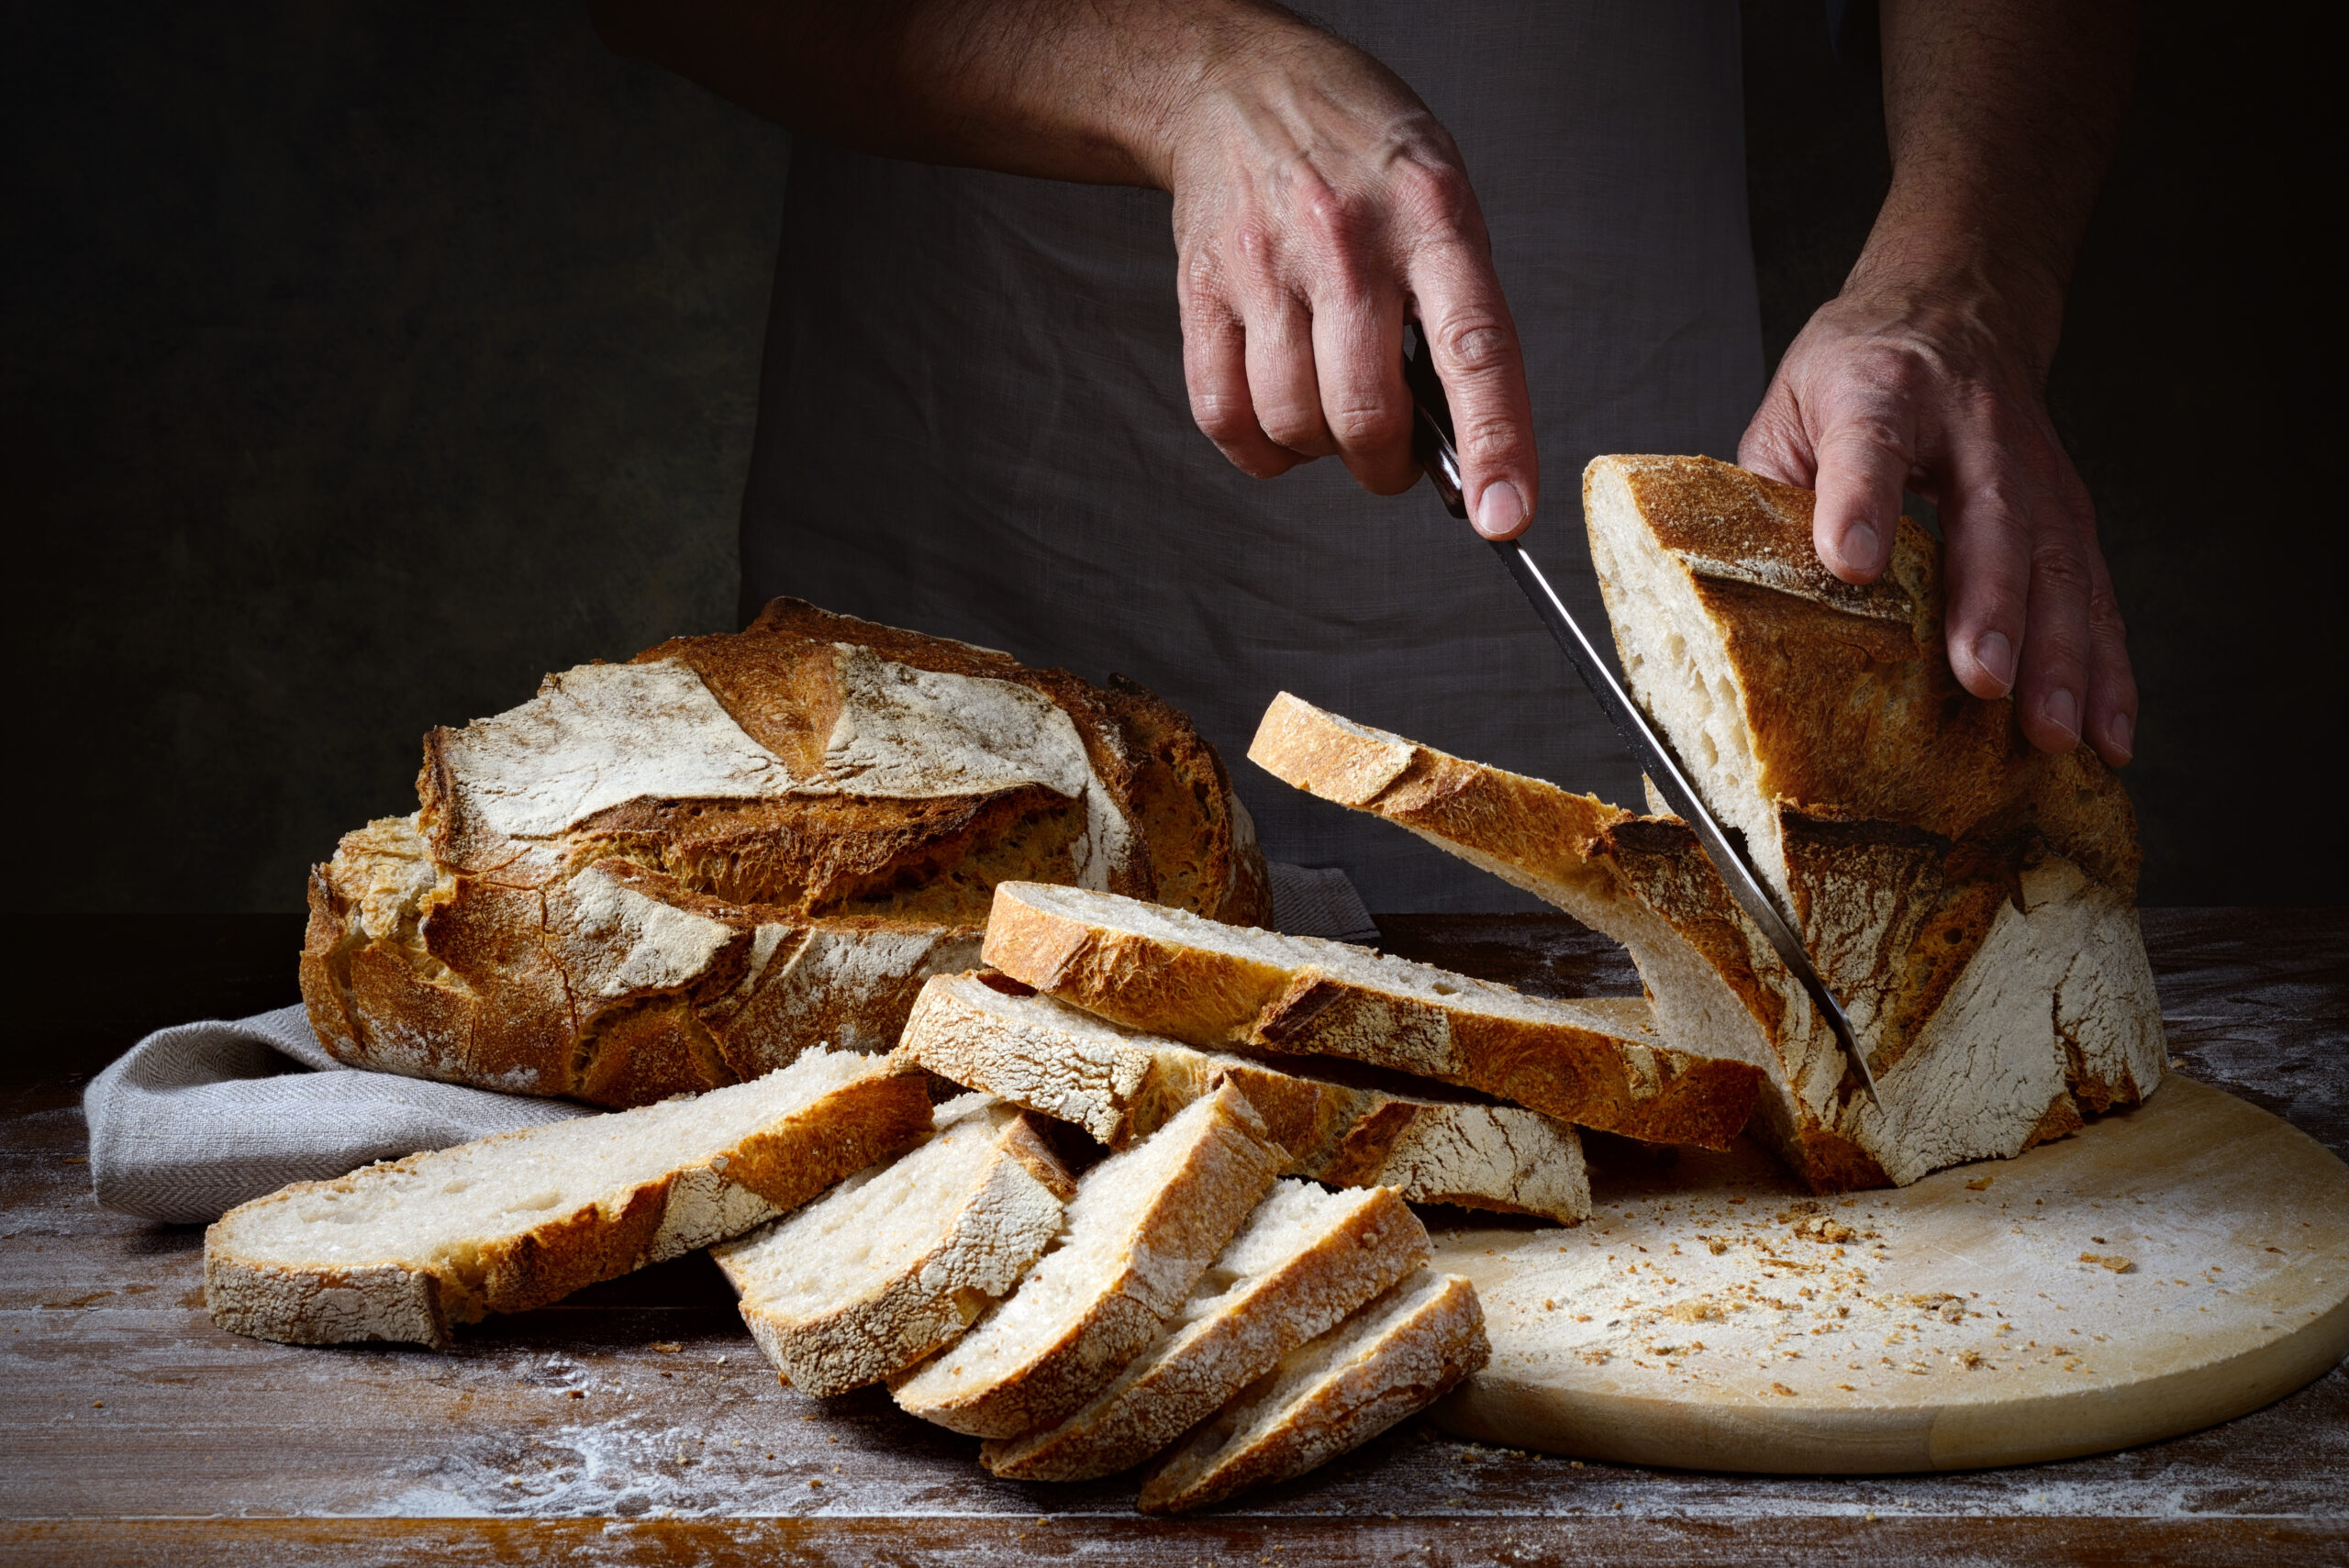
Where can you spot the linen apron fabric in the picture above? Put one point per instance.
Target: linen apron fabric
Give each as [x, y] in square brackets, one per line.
[974, 422]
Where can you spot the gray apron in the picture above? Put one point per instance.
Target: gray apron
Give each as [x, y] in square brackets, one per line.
[972, 418]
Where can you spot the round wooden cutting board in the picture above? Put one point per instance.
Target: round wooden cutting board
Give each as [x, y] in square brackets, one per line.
[2161, 1269]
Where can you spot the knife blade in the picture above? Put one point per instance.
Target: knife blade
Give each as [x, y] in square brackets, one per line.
[1432, 444]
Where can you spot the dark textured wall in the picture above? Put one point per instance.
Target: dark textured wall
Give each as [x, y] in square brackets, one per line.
[363, 362]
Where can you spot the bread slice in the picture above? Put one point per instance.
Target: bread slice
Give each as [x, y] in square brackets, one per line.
[1143, 1227]
[898, 1259]
[403, 1249]
[2001, 991]
[1395, 1357]
[1171, 972]
[1342, 1125]
[676, 873]
[1307, 1259]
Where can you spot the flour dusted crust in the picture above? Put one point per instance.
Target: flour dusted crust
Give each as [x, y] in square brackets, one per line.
[370, 1272]
[1983, 938]
[679, 872]
[1595, 1062]
[1343, 1126]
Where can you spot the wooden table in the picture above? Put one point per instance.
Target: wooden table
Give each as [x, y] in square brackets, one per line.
[637, 1423]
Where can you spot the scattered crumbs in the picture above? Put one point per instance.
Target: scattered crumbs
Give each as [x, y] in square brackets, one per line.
[1981, 1186]
[1582, 1316]
[1548, 1305]
[1847, 1388]
[667, 1347]
[2112, 1261]
[815, 1481]
[577, 1394]
[1781, 1388]
[1969, 1360]
[97, 1404]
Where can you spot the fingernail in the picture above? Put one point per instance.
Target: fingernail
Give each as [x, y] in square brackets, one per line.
[1499, 510]
[1859, 546]
[2120, 734]
[1997, 656]
[2060, 708]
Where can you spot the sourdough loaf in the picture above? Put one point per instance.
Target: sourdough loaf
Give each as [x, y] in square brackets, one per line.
[679, 872]
[1305, 1261]
[898, 1259]
[1970, 901]
[1342, 1125]
[1390, 1360]
[1144, 1225]
[403, 1249]
[1595, 1062]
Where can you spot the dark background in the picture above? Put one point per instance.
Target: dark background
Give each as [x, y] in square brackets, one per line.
[363, 361]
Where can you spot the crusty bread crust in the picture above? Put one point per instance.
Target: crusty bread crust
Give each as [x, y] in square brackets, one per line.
[675, 874]
[1844, 692]
[1203, 1362]
[989, 1232]
[1343, 1126]
[1593, 1062]
[1226, 1167]
[1397, 1363]
[710, 1195]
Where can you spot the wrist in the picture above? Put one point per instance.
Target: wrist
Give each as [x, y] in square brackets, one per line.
[1959, 278]
[1207, 58]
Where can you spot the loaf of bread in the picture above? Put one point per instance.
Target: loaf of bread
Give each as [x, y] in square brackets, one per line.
[1970, 900]
[679, 872]
[898, 1259]
[403, 1249]
[1594, 1061]
[1343, 1125]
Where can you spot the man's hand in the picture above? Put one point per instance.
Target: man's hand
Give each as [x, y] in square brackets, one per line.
[1317, 204]
[1928, 371]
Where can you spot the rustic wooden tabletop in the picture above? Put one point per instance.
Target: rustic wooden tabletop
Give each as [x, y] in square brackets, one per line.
[636, 1422]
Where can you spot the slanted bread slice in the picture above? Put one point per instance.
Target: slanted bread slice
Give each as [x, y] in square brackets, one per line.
[1143, 1227]
[1393, 1358]
[1343, 1125]
[1594, 1061]
[1307, 1259]
[403, 1249]
[898, 1260]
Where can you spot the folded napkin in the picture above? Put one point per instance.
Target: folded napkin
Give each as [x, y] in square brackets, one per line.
[200, 1117]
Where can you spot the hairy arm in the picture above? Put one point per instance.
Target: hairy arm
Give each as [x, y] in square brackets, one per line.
[1929, 370]
[1319, 206]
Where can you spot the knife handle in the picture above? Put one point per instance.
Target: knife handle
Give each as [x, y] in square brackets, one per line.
[1431, 442]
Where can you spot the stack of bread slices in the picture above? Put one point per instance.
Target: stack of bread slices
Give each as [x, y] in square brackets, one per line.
[1160, 1218]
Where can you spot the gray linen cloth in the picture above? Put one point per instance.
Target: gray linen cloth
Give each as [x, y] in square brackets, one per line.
[200, 1117]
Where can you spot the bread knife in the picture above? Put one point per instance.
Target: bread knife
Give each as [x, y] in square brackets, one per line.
[1432, 444]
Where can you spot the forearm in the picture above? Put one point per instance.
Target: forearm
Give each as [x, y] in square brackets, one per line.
[2002, 115]
[1086, 90]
